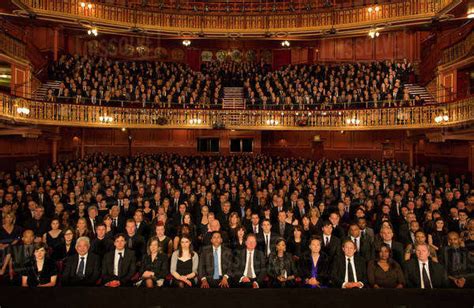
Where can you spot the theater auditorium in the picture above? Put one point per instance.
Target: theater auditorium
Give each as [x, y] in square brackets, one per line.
[237, 153]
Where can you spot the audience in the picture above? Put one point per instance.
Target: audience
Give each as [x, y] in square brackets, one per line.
[107, 82]
[240, 221]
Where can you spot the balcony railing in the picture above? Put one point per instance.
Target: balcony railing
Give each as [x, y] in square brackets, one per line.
[12, 47]
[430, 116]
[245, 23]
[458, 50]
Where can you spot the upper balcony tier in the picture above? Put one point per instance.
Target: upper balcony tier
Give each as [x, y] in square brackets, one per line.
[216, 20]
[25, 111]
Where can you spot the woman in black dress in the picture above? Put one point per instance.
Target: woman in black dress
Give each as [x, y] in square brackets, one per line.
[66, 248]
[281, 267]
[154, 267]
[10, 233]
[165, 243]
[239, 241]
[184, 264]
[384, 272]
[40, 270]
[297, 243]
[53, 237]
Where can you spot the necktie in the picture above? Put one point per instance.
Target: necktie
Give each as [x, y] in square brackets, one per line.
[115, 222]
[356, 243]
[130, 243]
[255, 229]
[363, 234]
[426, 278]
[327, 241]
[249, 263]
[350, 272]
[80, 269]
[216, 265]
[119, 269]
[267, 245]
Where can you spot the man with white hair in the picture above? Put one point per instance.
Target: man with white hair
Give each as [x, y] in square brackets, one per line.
[82, 269]
[421, 272]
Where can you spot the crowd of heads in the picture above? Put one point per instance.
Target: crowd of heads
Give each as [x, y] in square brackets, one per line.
[161, 213]
[107, 82]
[376, 84]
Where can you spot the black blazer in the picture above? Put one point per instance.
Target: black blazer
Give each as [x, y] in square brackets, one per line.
[306, 264]
[366, 250]
[206, 262]
[159, 266]
[438, 276]
[125, 273]
[338, 270]
[334, 247]
[92, 272]
[261, 242]
[259, 265]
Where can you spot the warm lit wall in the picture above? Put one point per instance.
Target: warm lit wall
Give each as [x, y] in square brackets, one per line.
[392, 45]
[451, 156]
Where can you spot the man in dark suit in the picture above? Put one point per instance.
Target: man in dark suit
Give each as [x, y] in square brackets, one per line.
[118, 221]
[267, 239]
[363, 245]
[283, 228]
[249, 265]
[386, 235]
[275, 210]
[349, 270]
[331, 245]
[82, 269]
[143, 229]
[254, 225]
[119, 265]
[21, 254]
[102, 243]
[135, 242]
[215, 264]
[421, 272]
[338, 231]
[93, 218]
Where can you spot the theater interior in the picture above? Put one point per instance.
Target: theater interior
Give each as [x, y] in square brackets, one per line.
[370, 100]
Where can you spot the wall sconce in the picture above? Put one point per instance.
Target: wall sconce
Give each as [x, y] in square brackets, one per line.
[374, 33]
[441, 118]
[272, 122]
[23, 110]
[106, 119]
[186, 43]
[353, 121]
[373, 9]
[285, 44]
[93, 32]
[195, 121]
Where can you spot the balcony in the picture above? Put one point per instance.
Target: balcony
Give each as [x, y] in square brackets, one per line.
[240, 24]
[26, 111]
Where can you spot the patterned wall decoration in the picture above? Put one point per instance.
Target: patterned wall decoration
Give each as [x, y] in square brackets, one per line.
[206, 56]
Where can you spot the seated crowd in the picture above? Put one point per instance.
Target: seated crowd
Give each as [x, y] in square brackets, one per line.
[241, 221]
[378, 84]
[106, 82]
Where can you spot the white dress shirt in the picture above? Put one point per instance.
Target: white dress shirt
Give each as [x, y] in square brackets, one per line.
[252, 270]
[346, 276]
[427, 267]
[79, 262]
